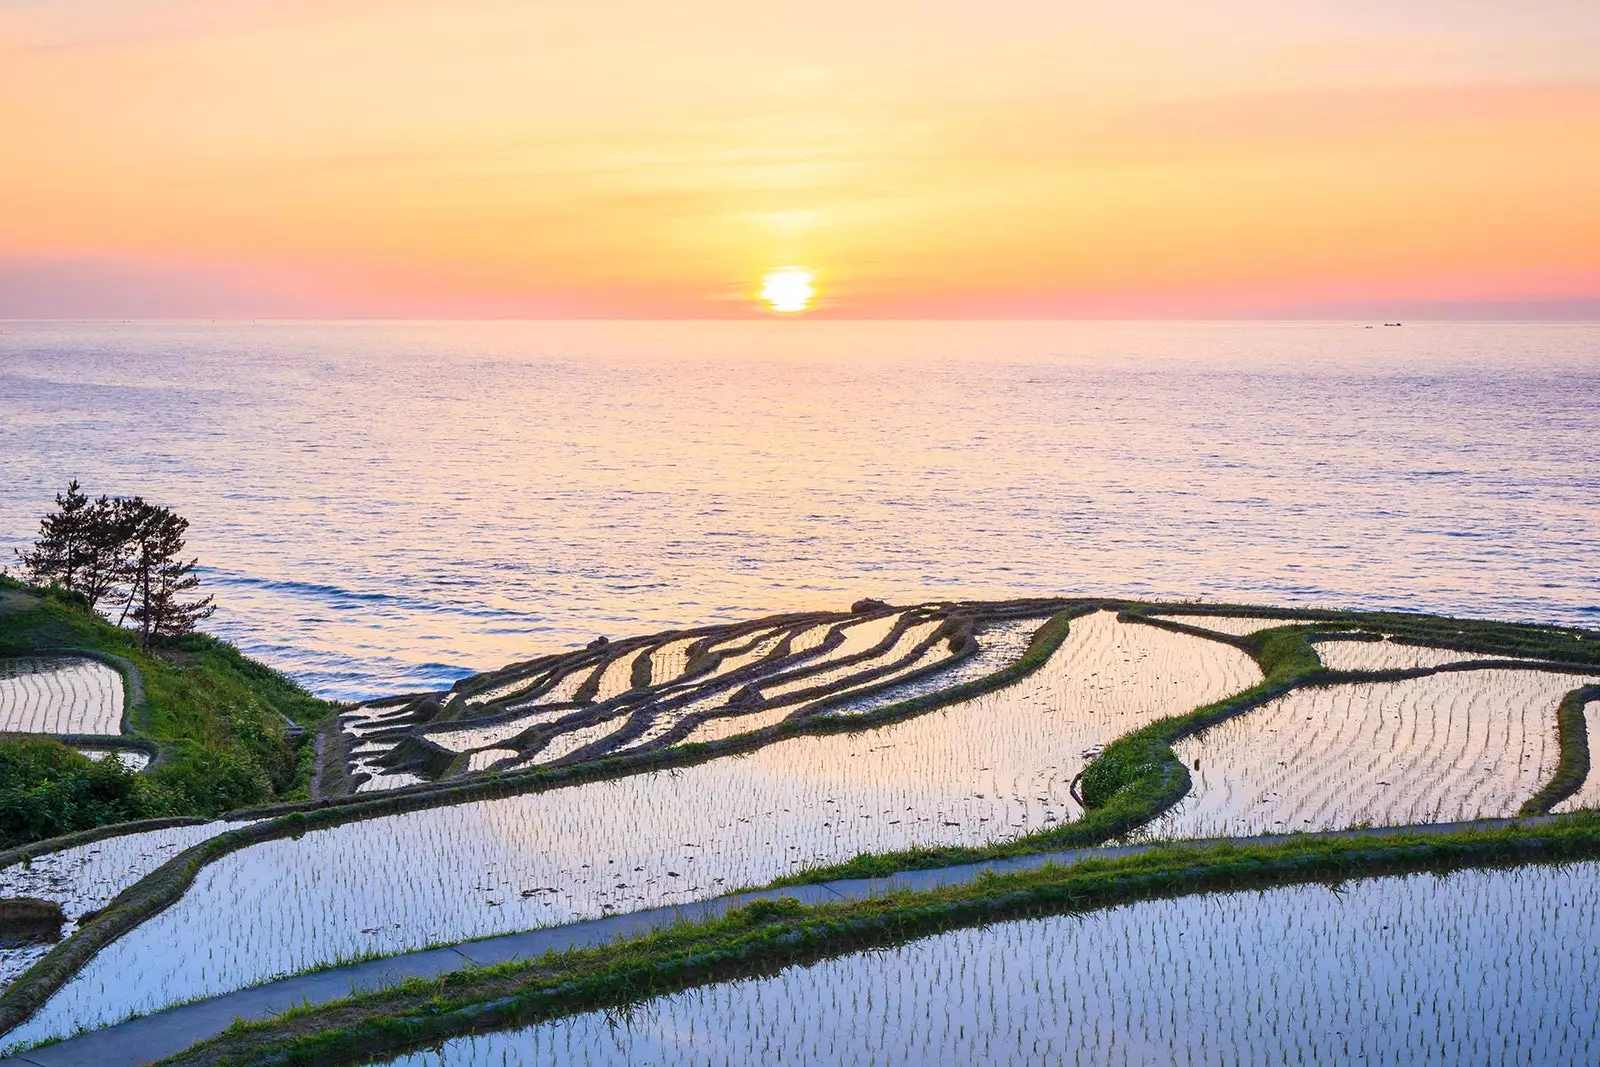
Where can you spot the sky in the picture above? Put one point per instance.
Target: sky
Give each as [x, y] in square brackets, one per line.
[936, 158]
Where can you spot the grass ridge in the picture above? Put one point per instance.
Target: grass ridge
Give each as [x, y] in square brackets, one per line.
[769, 935]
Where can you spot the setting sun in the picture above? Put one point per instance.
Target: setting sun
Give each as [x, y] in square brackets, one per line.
[789, 289]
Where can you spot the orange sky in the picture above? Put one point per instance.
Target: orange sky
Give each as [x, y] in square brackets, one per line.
[620, 157]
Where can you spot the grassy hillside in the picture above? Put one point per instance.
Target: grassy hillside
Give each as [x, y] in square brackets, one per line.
[218, 717]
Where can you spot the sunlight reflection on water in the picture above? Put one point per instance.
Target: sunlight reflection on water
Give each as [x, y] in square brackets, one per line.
[388, 506]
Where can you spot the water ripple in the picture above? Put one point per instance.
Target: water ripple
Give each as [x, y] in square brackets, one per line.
[390, 506]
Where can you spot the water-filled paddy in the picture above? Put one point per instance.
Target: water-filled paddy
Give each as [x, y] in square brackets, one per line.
[1390, 656]
[912, 636]
[1588, 795]
[1476, 967]
[1447, 746]
[1233, 625]
[86, 877]
[989, 768]
[59, 695]
[1000, 645]
[131, 758]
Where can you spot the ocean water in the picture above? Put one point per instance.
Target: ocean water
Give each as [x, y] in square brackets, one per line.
[386, 506]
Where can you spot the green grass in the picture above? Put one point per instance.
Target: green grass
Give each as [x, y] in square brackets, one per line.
[1573, 767]
[217, 716]
[763, 937]
[1135, 779]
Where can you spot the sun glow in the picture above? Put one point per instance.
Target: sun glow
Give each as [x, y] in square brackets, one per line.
[788, 289]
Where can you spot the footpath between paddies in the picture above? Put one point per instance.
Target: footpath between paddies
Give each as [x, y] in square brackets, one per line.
[349, 1014]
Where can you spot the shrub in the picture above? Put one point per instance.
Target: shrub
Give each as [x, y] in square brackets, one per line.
[48, 789]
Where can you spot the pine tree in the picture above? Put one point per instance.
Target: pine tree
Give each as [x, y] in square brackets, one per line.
[157, 574]
[58, 555]
[109, 529]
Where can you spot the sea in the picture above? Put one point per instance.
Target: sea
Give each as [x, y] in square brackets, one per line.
[384, 507]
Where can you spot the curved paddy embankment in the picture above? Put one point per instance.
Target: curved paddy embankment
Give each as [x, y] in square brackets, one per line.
[985, 770]
[59, 695]
[1436, 973]
[793, 812]
[1441, 747]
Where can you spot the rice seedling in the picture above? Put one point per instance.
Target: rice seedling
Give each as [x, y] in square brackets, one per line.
[984, 770]
[467, 737]
[1447, 746]
[1414, 969]
[1588, 795]
[909, 639]
[85, 878]
[59, 695]
[488, 757]
[1233, 625]
[667, 661]
[1389, 655]
[617, 676]
[1000, 644]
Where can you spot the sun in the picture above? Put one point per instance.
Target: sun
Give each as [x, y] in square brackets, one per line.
[788, 289]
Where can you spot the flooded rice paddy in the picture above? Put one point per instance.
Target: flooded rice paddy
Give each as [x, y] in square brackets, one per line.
[59, 695]
[130, 758]
[1495, 966]
[1388, 655]
[990, 768]
[1443, 747]
[607, 700]
[1000, 645]
[1233, 625]
[1588, 795]
[85, 878]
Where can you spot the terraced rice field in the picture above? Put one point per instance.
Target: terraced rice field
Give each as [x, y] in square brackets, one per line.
[1480, 967]
[617, 677]
[565, 744]
[755, 652]
[470, 738]
[85, 878]
[1233, 625]
[668, 661]
[59, 695]
[379, 779]
[553, 709]
[1588, 795]
[733, 725]
[129, 758]
[1464, 742]
[1444, 747]
[999, 646]
[987, 769]
[1389, 655]
[903, 646]
[563, 690]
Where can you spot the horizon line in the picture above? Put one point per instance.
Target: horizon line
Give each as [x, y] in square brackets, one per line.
[815, 319]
